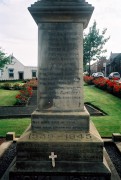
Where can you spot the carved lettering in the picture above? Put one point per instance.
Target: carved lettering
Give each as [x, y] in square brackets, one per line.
[64, 136]
[60, 70]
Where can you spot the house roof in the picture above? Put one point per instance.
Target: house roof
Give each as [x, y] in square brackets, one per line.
[113, 55]
[13, 58]
[118, 56]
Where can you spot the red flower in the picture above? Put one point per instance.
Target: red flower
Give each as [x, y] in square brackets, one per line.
[25, 93]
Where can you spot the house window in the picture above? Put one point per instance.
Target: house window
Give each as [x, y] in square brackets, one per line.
[34, 73]
[11, 73]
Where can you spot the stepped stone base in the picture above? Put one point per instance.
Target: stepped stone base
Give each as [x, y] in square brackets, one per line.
[57, 121]
[79, 156]
[62, 171]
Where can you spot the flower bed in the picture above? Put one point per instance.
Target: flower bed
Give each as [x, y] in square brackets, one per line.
[111, 86]
[24, 95]
[88, 79]
[33, 83]
[11, 86]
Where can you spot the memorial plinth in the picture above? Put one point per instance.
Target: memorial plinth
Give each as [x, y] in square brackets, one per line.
[61, 142]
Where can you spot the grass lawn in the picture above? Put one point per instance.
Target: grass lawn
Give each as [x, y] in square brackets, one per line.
[11, 125]
[111, 123]
[7, 97]
[106, 125]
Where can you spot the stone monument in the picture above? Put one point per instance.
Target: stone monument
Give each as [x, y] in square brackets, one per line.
[61, 142]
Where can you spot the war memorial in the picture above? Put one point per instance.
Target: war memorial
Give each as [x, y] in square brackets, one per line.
[61, 143]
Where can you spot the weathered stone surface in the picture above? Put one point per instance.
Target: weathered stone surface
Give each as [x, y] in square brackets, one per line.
[68, 145]
[60, 67]
[60, 125]
[60, 121]
[68, 152]
[61, 11]
[60, 54]
[62, 171]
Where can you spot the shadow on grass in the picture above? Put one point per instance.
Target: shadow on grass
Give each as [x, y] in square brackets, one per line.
[94, 110]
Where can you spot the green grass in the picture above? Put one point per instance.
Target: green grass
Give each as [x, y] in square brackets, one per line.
[106, 125]
[111, 123]
[13, 125]
[7, 97]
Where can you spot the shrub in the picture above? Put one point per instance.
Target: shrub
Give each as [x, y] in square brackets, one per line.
[112, 86]
[24, 95]
[17, 86]
[7, 86]
[88, 79]
[117, 89]
[33, 83]
[100, 83]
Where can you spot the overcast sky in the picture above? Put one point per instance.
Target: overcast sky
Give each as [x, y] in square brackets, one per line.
[18, 31]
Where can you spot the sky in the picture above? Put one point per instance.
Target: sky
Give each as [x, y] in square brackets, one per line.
[18, 30]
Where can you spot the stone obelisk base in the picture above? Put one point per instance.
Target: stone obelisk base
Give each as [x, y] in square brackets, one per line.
[79, 156]
[64, 171]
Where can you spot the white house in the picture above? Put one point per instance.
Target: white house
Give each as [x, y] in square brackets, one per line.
[16, 70]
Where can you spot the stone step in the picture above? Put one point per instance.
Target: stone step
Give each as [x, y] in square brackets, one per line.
[61, 171]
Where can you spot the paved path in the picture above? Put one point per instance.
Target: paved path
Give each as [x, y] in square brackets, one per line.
[19, 111]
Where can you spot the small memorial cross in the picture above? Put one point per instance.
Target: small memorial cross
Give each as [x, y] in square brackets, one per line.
[52, 156]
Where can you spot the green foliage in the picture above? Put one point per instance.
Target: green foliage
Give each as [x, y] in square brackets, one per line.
[24, 94]
[4, 59]
[7, 86]
[17, 86]
[11, 85]
[111, 123]
[32, 83]
[94, 42]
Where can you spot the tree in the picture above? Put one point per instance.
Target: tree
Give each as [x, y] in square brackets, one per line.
[4, 59]
[94, 42]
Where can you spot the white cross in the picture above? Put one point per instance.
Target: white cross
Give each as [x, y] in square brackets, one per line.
[52, 156]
